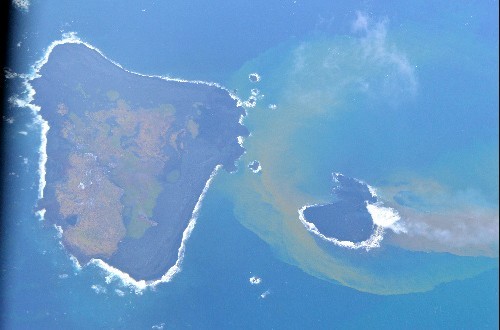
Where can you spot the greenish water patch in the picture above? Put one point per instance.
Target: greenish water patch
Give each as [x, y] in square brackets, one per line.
[353, 104]
[173, 176]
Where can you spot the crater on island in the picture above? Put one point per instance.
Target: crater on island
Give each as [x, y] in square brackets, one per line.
[128, 157]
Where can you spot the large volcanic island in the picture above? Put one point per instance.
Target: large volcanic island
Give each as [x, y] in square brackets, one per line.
[128, 157]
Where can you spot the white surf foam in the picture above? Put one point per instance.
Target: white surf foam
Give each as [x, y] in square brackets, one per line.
[76, 264]
[258, 169]
[99, 289]
[119, 293]
[71, 38]
[241, 140]
[158, 326]
[251, 102]
[40, 214]
[254, 280]
[59, 230]
[26, 102]
[43, 156]
[372, 190]
[254, 77]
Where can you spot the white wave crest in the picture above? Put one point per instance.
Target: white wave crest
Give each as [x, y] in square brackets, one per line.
[254, 77]
[258, 169]
[158, 326]
[42, 170]
[72, 38]
[119, 293]
[241, 140]
[76, 263]
[254, 280]
[59, 230]
[372, 190]
[40, 214]
[99, 289]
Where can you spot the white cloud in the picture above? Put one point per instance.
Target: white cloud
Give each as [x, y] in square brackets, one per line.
[398, 73]
[323, 71]
[119, 292]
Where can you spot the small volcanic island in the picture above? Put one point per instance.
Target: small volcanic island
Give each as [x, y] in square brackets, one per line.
[128, 157]
[346, 218]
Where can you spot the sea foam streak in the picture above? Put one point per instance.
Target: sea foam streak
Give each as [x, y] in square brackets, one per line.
[113, 273]
[382, 217]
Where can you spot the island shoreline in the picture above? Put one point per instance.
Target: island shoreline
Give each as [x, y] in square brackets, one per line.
[113, 273]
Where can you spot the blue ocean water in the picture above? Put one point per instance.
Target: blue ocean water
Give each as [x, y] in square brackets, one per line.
[224, 43]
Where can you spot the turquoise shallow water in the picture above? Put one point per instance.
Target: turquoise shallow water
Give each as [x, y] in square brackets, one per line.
[409, 104]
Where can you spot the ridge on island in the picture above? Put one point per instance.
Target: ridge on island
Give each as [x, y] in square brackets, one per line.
[128, 157]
